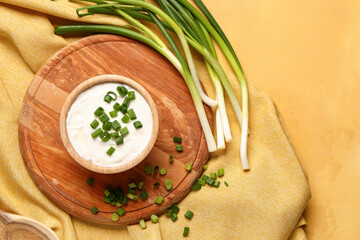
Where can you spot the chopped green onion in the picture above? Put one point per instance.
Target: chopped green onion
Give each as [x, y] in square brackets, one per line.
[119, 194]
[123, 109]
[179, 148]
[96, 133]
[171, 158]
[105, 136]
[175, 208]
[107, 98]
[120, 211]
[124, 131]
[138, 124]
[118, 202]
[132, 190]
[114, 97]
[156, 185]
[154, 218]
[201, 182]
[114, 134]
[131, 113]
[94, 210]
[220, 172]
[114, 217]
[156, 170]
[94, 124]
[159, 200]
[90, 181]
[177, 139]
[120, 199]
[113, 114]
[168, 184]
[112, 196]
[131, 95]
[132, 196]
[189, 214]
[188, 167]
[116, 125]
[132, 185]
[196, 186]
[213, 175]
[107, 192]
[148, 170]
[205, 167]
[99, 111]
[168, 212]
[216, 183]
[204, 177]
[140, 185]
[106, 199]
[126, 101]
[110, 151]
[107, 126]
[143, 194]
[142, 223]
[210, 181]
[119, 140]
[116, 106]
[125, 200]
[226, 184]
[122, 91]
[103, 117]
[125, 119]
[162, 171]
[174, 216]
[186, 231]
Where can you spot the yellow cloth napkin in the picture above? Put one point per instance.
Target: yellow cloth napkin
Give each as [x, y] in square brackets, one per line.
[264, 203]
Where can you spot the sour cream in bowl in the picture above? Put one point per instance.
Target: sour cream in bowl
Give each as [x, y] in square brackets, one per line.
[109, 124]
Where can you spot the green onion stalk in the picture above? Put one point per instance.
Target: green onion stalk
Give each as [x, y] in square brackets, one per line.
[190, 61]
[214, 29]
[197, 33]
[223, 126]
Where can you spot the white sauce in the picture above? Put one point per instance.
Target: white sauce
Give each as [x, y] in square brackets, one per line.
[81, 114]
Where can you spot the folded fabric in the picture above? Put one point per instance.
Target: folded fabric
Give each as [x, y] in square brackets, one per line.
[264, 203]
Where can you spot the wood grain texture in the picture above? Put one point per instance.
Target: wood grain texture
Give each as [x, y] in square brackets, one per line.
[60, 178]
[15, 227]
[88, 84]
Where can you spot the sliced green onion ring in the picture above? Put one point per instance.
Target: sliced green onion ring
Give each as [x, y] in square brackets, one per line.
[112, 95]
[105, 136]
[168, 184]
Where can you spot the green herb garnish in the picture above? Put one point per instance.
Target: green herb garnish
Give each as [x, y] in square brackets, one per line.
[94, 124]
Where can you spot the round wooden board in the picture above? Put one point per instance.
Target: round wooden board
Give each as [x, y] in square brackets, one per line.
[60, 178]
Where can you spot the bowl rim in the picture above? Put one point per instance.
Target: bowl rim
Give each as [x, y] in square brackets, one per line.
[107, 78]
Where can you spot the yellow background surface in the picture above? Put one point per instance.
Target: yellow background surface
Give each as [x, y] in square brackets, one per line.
[264, 203]
[306, 55]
